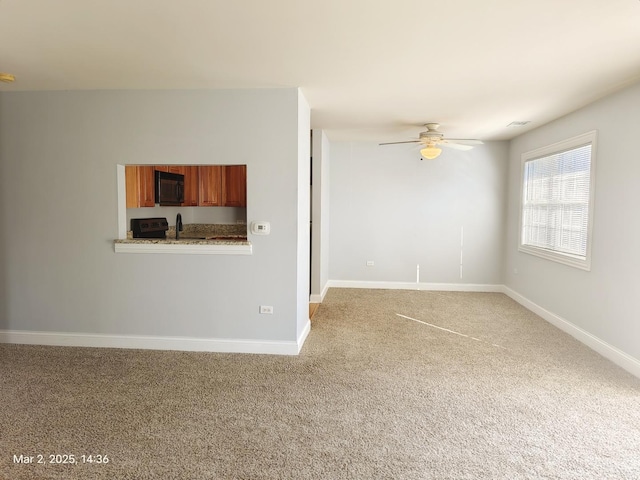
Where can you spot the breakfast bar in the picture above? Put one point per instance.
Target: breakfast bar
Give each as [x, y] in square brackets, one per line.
[198, 239]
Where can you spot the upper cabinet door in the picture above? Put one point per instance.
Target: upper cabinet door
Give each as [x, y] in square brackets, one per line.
[140, 186]
[234, 186]
[131, 182]
[191, 187]
[209, 181]
[148, 176]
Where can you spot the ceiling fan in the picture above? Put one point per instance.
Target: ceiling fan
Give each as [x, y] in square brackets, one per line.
[432, 139]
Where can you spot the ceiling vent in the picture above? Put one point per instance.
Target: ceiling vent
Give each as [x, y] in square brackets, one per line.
[520, 123]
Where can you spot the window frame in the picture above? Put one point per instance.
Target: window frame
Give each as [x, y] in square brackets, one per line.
[588, 138]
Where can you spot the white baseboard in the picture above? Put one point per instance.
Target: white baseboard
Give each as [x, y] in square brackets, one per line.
[303, 335]
[221, 345]
[315, 298]
[446, 287]
[620, 358]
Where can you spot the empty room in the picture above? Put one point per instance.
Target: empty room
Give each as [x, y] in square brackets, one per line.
[323, 240]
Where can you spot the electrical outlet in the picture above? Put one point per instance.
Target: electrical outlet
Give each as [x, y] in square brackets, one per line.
[266, 309]
[369, 263]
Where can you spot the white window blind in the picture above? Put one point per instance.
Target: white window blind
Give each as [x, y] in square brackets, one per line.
[556, 203]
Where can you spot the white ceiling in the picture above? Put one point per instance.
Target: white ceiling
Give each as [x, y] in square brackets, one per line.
[370, 69]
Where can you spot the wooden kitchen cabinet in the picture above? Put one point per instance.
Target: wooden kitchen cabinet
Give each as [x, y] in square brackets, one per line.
[191, 185]
[210, 186]
[140, 186]
[204, 185]
[222, 185]
[234, 186]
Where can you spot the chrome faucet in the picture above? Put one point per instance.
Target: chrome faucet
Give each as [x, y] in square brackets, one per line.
[178, 226]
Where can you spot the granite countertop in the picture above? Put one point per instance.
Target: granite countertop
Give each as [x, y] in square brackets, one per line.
[185, 241]
[197, 234]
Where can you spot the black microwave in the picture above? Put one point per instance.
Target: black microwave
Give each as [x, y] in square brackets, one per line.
[169, 188]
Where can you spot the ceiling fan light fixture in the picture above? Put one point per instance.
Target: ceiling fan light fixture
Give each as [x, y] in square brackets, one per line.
[6, 77]
[430, 152]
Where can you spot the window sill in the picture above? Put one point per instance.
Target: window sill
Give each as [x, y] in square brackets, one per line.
[565, 259]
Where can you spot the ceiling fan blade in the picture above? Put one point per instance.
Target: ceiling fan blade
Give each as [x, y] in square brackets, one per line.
[456, 146]
[466, 141]
[395, 143]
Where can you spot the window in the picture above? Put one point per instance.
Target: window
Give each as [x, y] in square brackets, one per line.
[557, 201]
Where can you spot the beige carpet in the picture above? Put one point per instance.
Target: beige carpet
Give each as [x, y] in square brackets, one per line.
[373, 395]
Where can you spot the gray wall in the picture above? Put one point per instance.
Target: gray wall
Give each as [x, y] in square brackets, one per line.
[389, 206]
[58, 213]
[605, 301]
